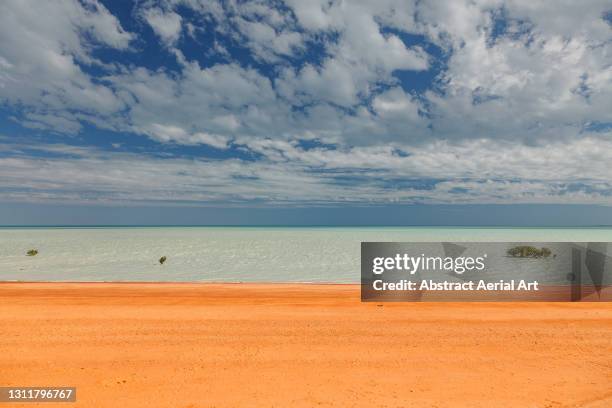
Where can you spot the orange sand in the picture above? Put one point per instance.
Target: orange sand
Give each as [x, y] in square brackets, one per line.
[251, 345]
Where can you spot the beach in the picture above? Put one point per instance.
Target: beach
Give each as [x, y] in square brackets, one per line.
[233, 345]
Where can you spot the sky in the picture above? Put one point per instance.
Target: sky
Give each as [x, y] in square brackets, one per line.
[213, 111]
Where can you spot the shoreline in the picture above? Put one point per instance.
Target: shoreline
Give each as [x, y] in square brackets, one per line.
[178, 282]
[255, 344]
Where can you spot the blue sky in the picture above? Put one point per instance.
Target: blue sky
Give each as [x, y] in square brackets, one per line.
[304, 105]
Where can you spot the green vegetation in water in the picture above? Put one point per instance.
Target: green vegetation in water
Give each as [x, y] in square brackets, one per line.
[529, 252]
[162, 260]
[32, 252]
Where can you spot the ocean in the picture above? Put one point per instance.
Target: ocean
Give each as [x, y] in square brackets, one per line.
[228, 254]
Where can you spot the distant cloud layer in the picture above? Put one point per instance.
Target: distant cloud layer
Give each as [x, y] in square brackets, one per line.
[306, 102]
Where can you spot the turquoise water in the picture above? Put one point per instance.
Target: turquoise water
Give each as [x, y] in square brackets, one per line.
[228, 254]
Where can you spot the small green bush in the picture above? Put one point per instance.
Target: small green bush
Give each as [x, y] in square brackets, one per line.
[32, 252]
[162, 260]
[529, 252]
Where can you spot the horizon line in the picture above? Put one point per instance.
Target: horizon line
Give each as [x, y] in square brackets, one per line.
[7, 226]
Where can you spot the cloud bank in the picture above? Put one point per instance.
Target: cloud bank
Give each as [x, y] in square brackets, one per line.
[306, 103]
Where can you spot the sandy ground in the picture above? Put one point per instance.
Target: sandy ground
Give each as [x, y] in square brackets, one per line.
[205, 345]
